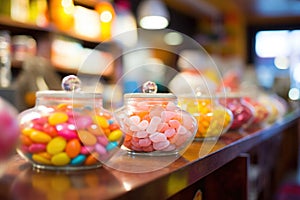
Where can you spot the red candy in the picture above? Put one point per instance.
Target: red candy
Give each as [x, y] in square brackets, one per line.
[242, 112]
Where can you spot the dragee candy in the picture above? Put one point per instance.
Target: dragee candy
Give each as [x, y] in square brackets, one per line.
[242, 112]
[155, 124]
[213, 119]
[68, 135]
[260, 111]
[73, 148]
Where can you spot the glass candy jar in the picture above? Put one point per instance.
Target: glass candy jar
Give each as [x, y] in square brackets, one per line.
[277, 106]
[243, 112]
[153, 124]
[261, 112]
[68, 131]
[213, 119]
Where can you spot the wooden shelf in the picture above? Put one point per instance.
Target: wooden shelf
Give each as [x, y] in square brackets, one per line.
[44, 35]
[7, 22]
[20, 180]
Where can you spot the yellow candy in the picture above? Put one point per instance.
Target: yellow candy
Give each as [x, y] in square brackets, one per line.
[39, 136]
[115, 135]
[60, 159]
[27, 131]
[101, 121]
[57, 118]
[45, 155]
[40, 159]
[56, 145]
[212, 119]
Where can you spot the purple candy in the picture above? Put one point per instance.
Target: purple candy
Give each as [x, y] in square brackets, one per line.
[83, 122]
[100, 149]
[102, 140]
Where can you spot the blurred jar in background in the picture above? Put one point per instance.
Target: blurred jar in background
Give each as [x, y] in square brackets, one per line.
[5, 59]
[42, 77]
[22, 47]
[193, 76]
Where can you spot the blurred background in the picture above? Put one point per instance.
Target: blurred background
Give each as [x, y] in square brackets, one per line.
[122, 43]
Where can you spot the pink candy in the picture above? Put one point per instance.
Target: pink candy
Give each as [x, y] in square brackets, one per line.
[157, 128]
[35, 148]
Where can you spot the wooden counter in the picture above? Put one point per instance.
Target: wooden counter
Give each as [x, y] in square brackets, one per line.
[212, 169]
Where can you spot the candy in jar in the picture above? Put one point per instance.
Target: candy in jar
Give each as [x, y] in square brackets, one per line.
[153, 124]
[261, 111]
[68, 130]
[213, 119]
[277, 106]
[243, 113]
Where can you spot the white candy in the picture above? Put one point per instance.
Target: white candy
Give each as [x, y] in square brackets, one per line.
[145, 142]
[181, 130]
[143, 124]
[153, 124]
[170, 132]
[141, 134]
[134, 128]
[171, 106]
[161, 145]
[157, 137]
[135, 119]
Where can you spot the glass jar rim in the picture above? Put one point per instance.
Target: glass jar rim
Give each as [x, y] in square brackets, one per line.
[68, 94]
[197, 96]
[150, 95]
[231, 95]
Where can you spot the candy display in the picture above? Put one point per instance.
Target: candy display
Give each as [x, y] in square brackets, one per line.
[261, 111]
[213, 119]
[243, 112]
[276, 105]
[68, 130]
[154, 125]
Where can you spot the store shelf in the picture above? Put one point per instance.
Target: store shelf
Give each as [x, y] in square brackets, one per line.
[7, 22]
[189, 173]
[44, 37]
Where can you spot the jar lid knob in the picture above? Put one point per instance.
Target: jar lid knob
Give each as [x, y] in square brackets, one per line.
[71, 83]
[149, 87]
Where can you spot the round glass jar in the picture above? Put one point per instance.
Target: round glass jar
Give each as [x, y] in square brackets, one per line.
[153, 124]
[277, 106]
[261, 112]
[213, 119]
[68, 131]
[243, 112]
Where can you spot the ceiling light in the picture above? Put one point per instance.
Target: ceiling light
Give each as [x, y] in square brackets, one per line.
[153, 14]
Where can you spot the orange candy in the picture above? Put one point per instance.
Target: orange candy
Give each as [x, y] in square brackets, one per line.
[91, 160]
[73, 148]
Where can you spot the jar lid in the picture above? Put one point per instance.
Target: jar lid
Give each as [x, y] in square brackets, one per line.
[150, 95]
[67, 94]
[71, 89]
[149, 91]
[190, 96]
